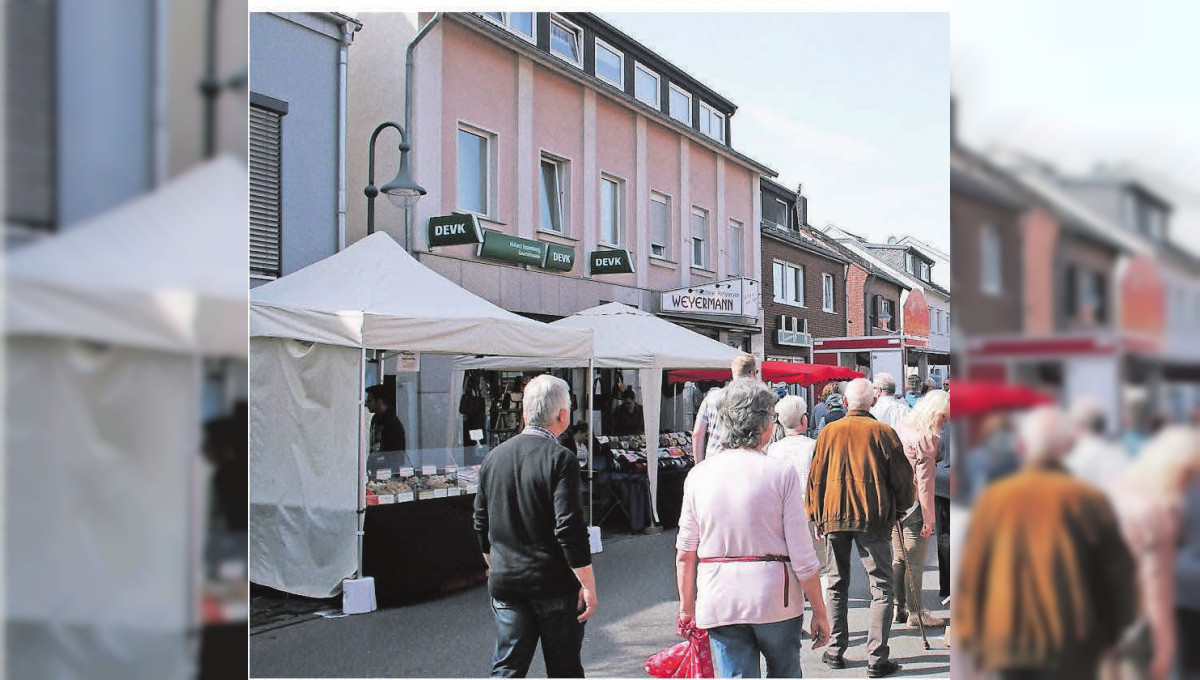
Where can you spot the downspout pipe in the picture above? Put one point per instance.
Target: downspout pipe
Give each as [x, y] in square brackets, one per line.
[408, 106]
[348, 31]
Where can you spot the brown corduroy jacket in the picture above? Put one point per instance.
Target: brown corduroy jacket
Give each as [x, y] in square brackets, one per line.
[1047, 581]
[860, 479]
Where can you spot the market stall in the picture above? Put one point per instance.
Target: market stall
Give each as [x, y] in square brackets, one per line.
[108, 328]
[310, 334]
[626, 337]
[776, 371]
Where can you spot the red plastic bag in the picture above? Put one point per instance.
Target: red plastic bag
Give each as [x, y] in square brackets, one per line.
[691, 658]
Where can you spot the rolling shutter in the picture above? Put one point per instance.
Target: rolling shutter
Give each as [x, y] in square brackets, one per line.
[265, 192]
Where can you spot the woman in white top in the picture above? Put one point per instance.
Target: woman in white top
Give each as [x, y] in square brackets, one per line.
[744, 550]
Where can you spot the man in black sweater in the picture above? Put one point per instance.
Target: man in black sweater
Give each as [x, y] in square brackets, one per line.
[529, 521]
[387, 432]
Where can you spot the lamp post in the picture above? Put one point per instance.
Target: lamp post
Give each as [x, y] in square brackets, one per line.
[403, 191]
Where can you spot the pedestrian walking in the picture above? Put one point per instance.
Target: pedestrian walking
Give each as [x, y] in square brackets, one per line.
[1093, 459]
[529, 522]
[889, 408]
[858, 483]
[920, 432]
[707, 431]
[1150, 507]
[1187, 586]
[1046, 584]
[915, 390]
[941, 508]
[796, 449]
[744, 555]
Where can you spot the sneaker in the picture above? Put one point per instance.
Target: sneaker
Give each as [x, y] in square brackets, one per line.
[882, 670]
[901, 614]
[929, 620]
[833, 660]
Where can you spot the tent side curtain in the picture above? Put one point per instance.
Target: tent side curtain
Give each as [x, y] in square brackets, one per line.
[304, 433]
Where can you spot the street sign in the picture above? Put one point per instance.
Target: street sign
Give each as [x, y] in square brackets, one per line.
[453, 230]
[559, 258]
[611, 262]
[499, 246]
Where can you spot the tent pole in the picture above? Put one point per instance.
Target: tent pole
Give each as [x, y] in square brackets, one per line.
[362, 462]
[591, 421]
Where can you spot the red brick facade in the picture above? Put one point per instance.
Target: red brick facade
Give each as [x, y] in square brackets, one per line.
[821, 324]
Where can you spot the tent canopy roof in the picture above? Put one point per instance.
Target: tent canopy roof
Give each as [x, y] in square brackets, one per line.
[374, 294]
[166, 270]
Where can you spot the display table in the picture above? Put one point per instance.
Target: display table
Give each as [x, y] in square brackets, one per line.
[421, 549]
[670, 495]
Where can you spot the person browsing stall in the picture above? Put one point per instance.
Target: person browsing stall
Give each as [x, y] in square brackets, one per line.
[529, 523]
[627, 417]
[387, 432]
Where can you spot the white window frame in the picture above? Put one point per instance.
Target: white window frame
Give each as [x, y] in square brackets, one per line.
[620, 55]
[910, 264]
[619, 213]
[737, 258]
[793, 273]
[666, 247]
[657, 103]
[926, 271]
[697, 211]
[711, 112]
[991, 260]
[490, 181]
[670, 109]
[569, 25]
[505, 21]
[828, 294]
[563, 177]
[786, 214]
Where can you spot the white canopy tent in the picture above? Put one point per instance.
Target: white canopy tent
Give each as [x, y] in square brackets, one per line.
[107, 326]
[628, 338]
[310, 331]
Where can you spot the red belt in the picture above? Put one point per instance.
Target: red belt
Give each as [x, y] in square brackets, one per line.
[783, 559]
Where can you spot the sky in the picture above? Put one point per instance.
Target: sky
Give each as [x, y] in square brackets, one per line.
[1079, 83]
[855, 106]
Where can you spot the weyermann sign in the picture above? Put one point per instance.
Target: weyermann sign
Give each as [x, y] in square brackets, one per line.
[734, 297]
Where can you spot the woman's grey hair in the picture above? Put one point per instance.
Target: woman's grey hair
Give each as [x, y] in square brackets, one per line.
[791, 410]
[745, 410]
[544, 397]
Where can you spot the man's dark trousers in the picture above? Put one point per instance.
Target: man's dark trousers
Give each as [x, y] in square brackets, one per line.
[876, 555]
[519, 625]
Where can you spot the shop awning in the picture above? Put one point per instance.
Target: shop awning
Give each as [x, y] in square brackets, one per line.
[777, 371]
[971, 398]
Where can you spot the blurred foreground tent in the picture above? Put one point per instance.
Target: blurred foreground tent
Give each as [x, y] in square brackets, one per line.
[108, 329]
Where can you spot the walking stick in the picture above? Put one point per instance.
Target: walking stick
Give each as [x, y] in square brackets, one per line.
[912, 586]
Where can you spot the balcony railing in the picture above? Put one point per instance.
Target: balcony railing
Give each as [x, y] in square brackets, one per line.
[793, 338]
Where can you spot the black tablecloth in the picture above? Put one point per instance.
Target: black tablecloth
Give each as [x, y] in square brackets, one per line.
[416, 549]
[670, 496]
[223, 650]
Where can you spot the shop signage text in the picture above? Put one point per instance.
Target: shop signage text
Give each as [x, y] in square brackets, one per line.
[559, 258]
[454, 229]
[611, 262]
[498, 246]
[734, 297]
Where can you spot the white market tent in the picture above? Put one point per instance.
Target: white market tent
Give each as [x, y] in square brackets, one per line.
[628, 338]
[107, 327]
[310, 331]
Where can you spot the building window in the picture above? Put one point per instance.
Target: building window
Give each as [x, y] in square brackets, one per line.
[266, 204]
[660, 225]
[474, 171]
[645, 84]
[991, 259]
[789, 283]
[736, 248]
[781, 214]
[566, 40]
[552, 194]
[925, 271]
[610, 64]
[681, 104]
[518, 22]
[827, 292]
[712, 123]
[612, 201]
[910, 265]
[884, 307]
[699, 237]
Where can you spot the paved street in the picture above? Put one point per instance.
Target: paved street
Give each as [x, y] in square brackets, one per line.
[453, 636]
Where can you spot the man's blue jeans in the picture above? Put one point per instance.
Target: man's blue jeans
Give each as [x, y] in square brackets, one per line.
[521, 623]
[735, 649]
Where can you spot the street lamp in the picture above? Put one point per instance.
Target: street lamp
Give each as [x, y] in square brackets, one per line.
[402, 191]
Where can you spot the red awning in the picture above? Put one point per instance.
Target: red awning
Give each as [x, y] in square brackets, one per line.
[972, 398]
[776, 371]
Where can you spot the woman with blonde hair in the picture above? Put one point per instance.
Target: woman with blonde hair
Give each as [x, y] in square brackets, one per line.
[1150, 506]
[921, 433]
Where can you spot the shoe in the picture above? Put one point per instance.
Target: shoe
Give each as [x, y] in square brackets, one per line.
[901, 614]
[882, 670]
[833, 660]
[929, 620]
[651, 530]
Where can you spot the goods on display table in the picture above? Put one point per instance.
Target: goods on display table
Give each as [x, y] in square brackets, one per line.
[421, 483]
[674, 450]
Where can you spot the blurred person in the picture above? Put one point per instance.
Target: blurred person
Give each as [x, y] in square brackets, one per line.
[831, 409]
[387, 432]
[1150, 506]
[227, 447]
[1137, 428]
[914, 391]
[795, 448]
[706, 432]
[820, 409]
[995, 457]
[744, 554]
[946, 384]
[1094, 459]
[926, 386]
[1046, 583]
[921, 434]
[889, 408]
[627, 417]
[1187, 585]
[529, 523]
[858, 485]
[943, 481]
